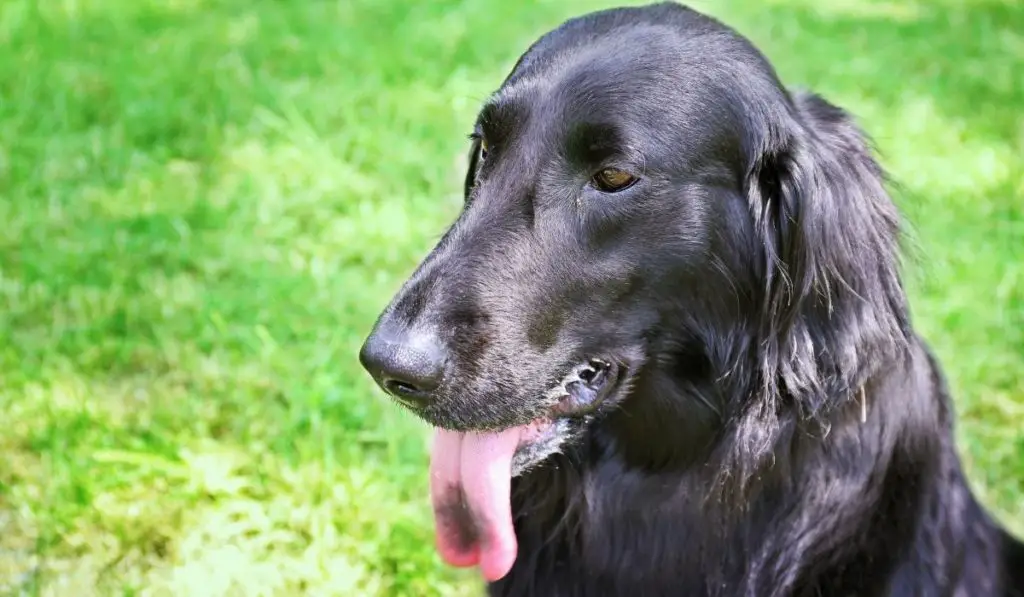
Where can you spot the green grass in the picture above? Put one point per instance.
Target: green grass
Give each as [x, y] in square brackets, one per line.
[204, 204]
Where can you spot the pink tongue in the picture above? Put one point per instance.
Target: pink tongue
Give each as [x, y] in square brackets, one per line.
[470, 481]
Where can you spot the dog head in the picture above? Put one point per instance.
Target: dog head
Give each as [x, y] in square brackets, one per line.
[645, 201]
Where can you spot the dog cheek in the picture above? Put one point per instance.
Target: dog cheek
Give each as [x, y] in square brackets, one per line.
[543, 327]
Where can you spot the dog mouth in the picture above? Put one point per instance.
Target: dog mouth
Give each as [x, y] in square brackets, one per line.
[471, 472]
[583, 390]
[569, 405]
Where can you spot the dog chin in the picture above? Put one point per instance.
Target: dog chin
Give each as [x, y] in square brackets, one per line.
[548, 439]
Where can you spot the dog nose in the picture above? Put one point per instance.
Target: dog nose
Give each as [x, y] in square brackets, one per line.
[407, 365]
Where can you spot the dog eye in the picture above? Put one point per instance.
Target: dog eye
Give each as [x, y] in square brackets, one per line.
[484, 147]
[611, 180]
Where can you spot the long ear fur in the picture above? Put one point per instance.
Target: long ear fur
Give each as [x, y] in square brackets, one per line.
[833, 309]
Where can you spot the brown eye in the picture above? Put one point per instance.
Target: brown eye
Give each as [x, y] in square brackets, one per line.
[611, 180]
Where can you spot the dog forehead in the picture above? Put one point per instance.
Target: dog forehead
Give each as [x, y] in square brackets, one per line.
[616, 60]
[646, 74]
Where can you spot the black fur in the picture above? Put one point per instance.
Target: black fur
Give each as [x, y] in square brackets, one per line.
[782, 430]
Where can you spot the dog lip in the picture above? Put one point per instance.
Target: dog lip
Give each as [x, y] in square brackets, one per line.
[585, 388]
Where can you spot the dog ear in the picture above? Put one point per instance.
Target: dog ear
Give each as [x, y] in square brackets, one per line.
[470, 178]
[833, 307]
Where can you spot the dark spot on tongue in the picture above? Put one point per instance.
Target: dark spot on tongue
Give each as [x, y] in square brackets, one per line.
[453, 508]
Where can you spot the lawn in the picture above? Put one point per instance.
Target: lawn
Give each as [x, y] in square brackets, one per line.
[204, 204]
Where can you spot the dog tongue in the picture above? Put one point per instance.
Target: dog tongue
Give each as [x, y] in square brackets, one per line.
[470, 483]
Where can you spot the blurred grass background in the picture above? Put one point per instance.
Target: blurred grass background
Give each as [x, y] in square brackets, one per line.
[205, 203]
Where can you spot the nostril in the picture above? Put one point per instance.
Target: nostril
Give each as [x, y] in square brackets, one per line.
[395, 386]
[400, 387]
[407, 393]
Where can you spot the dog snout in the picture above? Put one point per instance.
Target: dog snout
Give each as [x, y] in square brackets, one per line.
[406, 363]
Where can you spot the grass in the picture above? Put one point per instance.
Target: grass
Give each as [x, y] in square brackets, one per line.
[205, 203]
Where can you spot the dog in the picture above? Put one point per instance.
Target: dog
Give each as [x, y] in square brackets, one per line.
[666, 346]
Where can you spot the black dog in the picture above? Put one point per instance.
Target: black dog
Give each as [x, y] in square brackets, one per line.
[667, 345]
